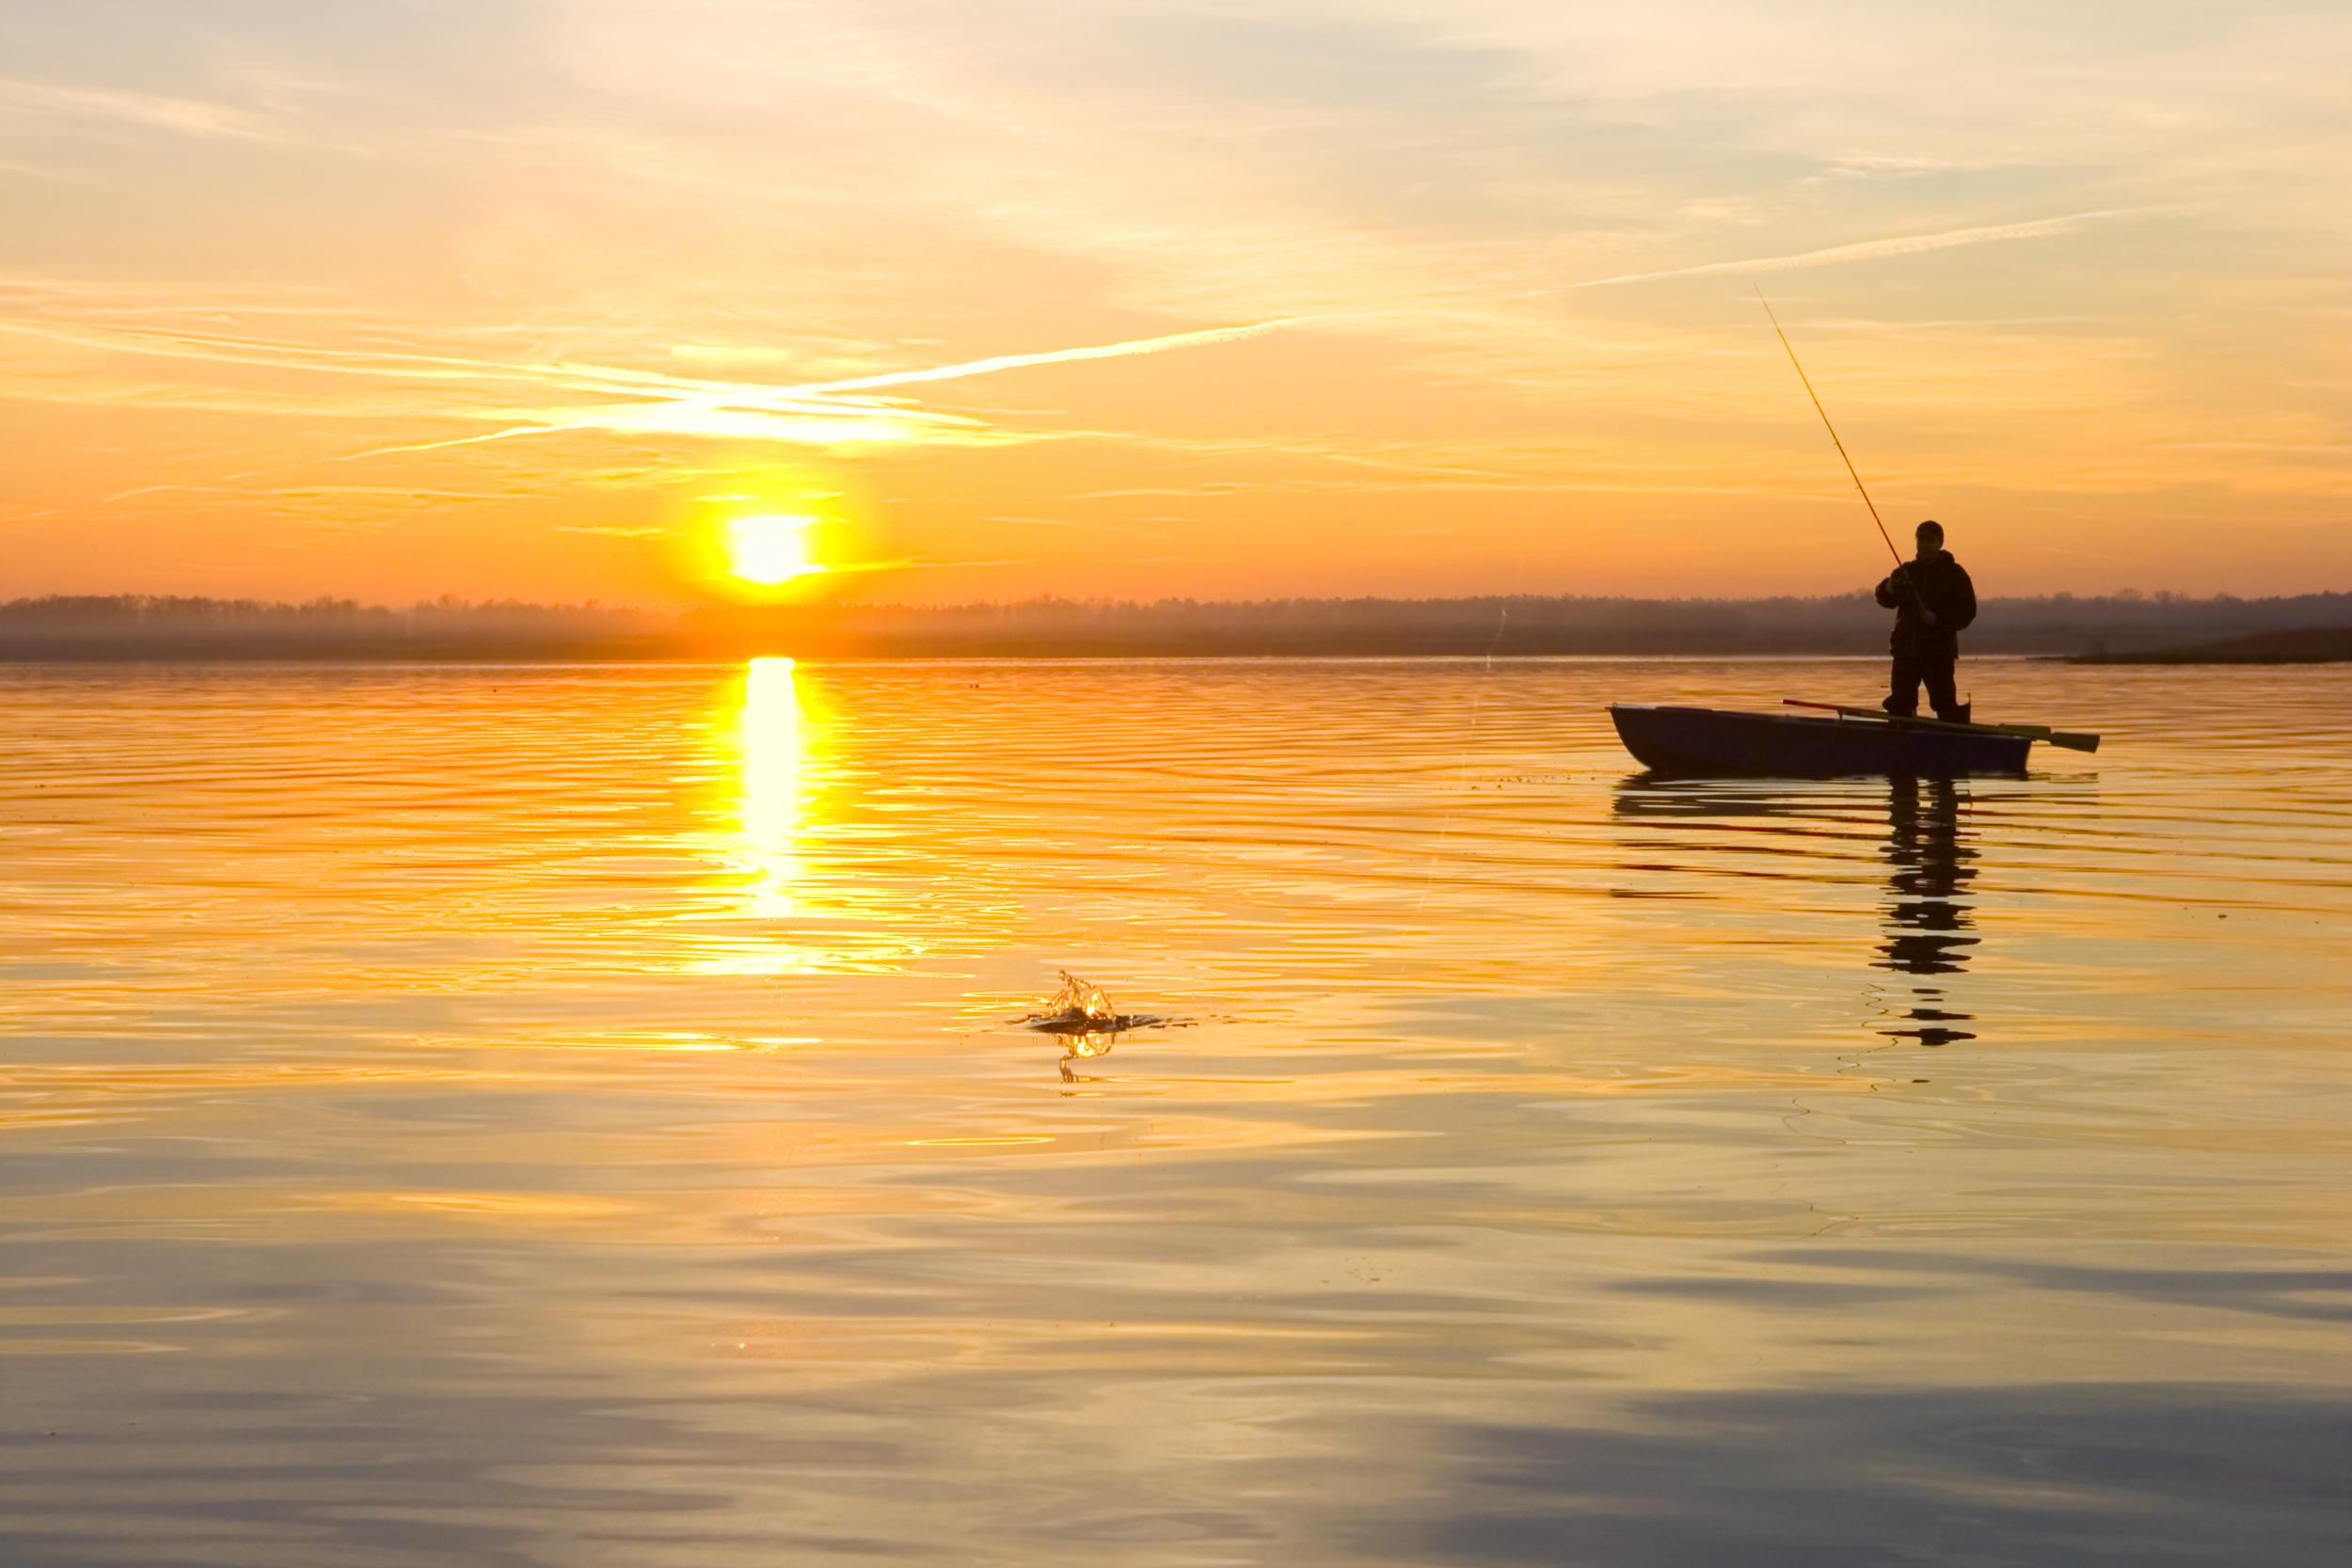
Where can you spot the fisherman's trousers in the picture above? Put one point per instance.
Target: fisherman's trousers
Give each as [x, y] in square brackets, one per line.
[1932, 667]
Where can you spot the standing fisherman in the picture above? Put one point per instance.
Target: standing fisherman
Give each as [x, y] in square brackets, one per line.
[1933, 602]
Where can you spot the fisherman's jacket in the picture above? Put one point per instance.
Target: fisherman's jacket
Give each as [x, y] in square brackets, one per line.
[1938, 583]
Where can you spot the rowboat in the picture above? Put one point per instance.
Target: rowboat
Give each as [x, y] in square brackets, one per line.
[1703, 740]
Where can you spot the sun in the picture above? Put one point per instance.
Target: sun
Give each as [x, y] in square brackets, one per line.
[770, 550]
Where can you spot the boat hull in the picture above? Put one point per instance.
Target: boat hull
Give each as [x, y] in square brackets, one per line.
[1704, 741]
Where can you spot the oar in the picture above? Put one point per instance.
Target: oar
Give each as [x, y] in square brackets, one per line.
[2072, 742]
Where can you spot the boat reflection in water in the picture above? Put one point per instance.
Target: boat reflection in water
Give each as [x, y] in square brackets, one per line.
[1808, 832]
[1928, 917]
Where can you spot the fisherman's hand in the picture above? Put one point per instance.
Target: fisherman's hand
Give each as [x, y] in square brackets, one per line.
[1927, 617]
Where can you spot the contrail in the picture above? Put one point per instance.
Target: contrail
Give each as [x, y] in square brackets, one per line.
[1015, 361]
[1871, 248]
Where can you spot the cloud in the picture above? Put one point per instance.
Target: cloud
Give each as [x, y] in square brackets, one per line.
[828, 414]
[1861, 166]
[193, 117]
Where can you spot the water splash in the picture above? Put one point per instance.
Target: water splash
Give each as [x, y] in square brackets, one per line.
[1082, 1014]
[1082, 1000]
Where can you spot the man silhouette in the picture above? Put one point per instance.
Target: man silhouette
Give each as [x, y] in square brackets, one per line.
[1933, 601]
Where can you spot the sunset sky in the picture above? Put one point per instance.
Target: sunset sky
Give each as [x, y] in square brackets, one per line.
[391, 298]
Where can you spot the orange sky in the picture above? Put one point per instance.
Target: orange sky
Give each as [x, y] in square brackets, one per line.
[388, 299]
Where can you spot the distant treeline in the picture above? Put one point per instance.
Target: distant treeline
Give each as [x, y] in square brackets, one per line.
[147, 627]
[1520, 623]
[142, 628]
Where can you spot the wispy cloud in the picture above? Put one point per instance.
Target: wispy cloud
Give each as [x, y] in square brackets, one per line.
[193, 117]
[825, 412]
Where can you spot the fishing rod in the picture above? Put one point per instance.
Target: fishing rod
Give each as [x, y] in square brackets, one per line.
[1831, 428]
[1918, 600]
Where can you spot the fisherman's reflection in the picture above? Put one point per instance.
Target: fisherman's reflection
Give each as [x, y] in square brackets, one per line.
[1926, 926]
[1926, 913]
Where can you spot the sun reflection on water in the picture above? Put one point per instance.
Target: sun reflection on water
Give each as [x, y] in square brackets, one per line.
[787, 770]
[773, 734]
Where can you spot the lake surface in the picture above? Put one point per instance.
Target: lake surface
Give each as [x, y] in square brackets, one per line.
[581, 1117]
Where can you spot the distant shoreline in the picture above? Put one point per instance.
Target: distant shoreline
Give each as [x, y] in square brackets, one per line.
[532, 662]
[2121, 629]
[2300, 645]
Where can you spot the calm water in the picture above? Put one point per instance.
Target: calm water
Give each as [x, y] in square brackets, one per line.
[577, 1116]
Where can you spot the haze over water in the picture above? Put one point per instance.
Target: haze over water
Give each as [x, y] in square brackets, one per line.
[579, 1116]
